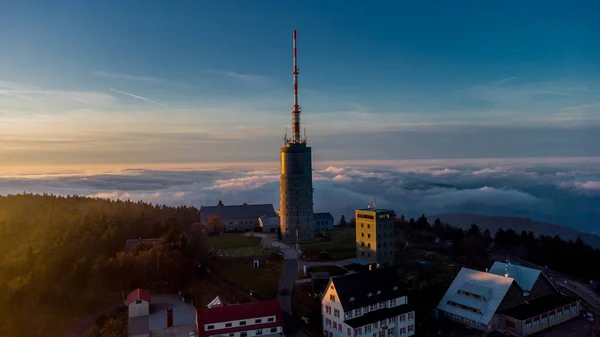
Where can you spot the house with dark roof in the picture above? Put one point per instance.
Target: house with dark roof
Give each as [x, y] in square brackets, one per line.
[237, 217]
[509, 298]
[368, 303]
[323, 221]
[241, 320]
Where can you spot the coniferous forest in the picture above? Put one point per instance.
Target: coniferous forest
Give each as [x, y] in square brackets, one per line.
[62, 257]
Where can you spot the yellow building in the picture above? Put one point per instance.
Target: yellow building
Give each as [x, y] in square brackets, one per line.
[375, 236]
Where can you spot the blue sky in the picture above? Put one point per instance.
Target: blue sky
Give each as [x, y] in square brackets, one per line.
[141, 82]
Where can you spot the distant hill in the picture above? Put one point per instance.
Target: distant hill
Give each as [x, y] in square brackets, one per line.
[493, 223]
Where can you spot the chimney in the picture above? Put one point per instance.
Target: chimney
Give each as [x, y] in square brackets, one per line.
[170, 317]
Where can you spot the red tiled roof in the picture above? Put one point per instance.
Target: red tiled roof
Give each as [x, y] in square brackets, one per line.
[138, 294]
[239, 312]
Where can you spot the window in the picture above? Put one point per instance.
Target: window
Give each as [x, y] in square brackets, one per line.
[336, 313]
[378, 292]
[369, 294]
[258, 332]
[332, 298]
[382, 333]
[402, 331]
[351, 299]
[373, 307]
[362, 225]
[334, 325]
[231, 334]
[390, 331]
[367, 329]
[348, 314]
[369, 245]
[358, 312]
[273, 330]
[358, 331]
[362, 235]
[374, 325]
[340, 327]
[328, 309]
[392, 302]
[349, 332]
[228, 325]
[369, 227]
[392, 319]
[270, 319]
[362, 244]
[410, 316]
[243, 334]
[327, 322]
[138, 301]
[402, 318]
[369, 236]
[258, 320]
[242, 322]
[210, 327]
[411, 328]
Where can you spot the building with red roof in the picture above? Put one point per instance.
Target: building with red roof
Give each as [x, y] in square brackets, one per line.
[138, 302]
[241, 320]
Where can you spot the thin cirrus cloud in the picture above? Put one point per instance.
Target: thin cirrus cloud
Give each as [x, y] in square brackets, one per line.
[134, 96]
[565, 192]
[105, 74]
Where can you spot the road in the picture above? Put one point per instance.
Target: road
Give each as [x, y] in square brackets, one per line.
[581, 290]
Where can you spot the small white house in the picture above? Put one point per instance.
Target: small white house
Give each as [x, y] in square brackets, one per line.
[138, 303]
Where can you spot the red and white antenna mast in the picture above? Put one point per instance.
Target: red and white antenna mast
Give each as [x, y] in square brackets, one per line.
[296, 138]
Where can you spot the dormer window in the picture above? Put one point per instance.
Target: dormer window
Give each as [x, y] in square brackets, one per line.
[378, 292]
[395, 288]
[369, 294]
[351, 299]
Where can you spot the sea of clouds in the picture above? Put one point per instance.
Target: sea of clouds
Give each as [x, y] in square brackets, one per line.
[562, 191]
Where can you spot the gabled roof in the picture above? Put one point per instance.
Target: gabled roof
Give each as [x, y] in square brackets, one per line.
[525, 277]
[130, 244]
[322, 216]
[489, 286]
[368, 287]
[216, 302]
[239, 312]
[138, 294]
[236, 211]
[269, 221]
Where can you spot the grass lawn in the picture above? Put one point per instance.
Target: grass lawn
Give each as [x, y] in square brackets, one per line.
[262, 281]
[341, 246]
[232, 240]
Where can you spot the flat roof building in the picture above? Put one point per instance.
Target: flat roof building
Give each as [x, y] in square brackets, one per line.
[375, 236]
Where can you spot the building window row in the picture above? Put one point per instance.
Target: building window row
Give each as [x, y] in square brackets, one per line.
[241, 323]
[470, 294]
[464, 307]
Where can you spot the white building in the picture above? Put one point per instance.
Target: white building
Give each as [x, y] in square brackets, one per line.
[269, 224]
[510, 298]
[371, 303]
[138, 303]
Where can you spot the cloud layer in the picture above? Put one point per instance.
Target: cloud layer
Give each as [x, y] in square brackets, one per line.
[560, 191]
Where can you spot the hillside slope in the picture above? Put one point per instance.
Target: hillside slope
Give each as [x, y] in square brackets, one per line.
[61, 257]
[493, 223]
